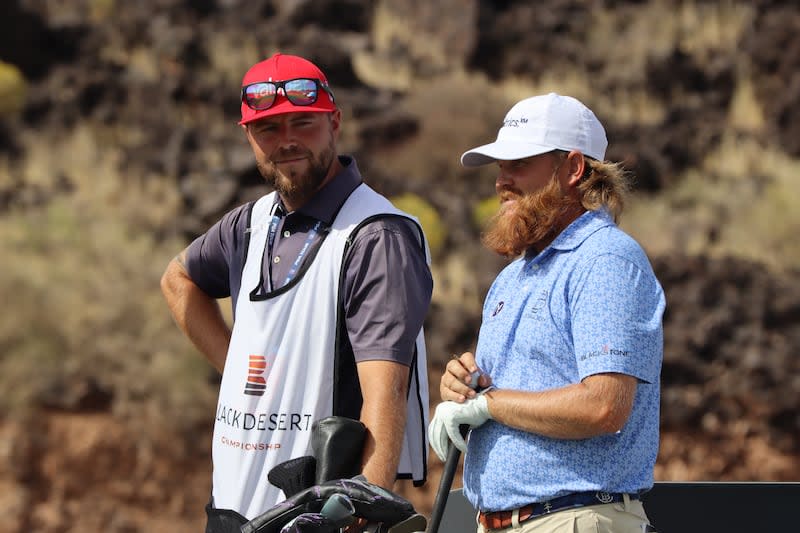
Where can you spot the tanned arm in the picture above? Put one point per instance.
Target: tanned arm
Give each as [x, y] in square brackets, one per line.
[196, 313]
[384, 387]
[598, 405]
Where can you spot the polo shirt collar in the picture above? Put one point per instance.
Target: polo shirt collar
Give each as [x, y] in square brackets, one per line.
[580, 229]
[577, 232]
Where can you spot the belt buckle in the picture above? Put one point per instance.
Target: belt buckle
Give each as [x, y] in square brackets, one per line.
[604, 497]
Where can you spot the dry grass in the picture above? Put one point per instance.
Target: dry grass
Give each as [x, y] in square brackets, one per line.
[656, 28]
[82, 273]
[746, 114]
[653, 30]
[87, 311]
[416, 42]
[455, 111]
[455, 285]
[742, 201]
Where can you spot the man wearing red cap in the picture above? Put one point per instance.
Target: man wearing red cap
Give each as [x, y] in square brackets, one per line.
[329, 284]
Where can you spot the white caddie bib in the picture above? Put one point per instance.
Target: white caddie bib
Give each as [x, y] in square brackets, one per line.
[278, 373]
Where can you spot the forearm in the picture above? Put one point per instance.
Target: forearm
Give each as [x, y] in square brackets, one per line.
[598, 405]
[197, 314]
[384, 389]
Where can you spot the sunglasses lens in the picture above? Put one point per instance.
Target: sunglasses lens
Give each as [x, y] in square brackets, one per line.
[301, 91]
[260, 95]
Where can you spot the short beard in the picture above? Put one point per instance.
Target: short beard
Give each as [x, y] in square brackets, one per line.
[532, 220]
[296, 189]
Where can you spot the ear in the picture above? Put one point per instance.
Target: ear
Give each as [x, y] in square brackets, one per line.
[336, 122]
[575, 164]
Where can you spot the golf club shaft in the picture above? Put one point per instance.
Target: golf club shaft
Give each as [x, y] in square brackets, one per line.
[446, 481]
[449, 472]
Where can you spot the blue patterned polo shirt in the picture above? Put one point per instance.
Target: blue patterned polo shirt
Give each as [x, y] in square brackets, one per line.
[587, 304]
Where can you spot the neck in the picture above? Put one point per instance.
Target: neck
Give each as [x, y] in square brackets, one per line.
[288, 205]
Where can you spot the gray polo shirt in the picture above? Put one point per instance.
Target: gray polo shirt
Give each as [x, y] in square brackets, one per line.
[387, 284]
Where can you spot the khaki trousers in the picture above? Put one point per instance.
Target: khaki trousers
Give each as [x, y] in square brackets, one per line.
[623, 517]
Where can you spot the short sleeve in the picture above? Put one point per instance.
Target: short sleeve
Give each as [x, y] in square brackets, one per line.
[617, 306]
[388, 286]
[212, 257]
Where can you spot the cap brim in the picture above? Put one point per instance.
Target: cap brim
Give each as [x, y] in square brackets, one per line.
[502, 151]
[283, 106]
[283, 110]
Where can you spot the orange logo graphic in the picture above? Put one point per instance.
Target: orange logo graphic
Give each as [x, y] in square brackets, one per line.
[256, 384]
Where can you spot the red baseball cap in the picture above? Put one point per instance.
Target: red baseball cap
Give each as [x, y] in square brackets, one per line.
[282, 67]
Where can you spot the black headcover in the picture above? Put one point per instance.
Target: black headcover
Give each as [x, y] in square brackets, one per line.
[337, 444]
[294, 475]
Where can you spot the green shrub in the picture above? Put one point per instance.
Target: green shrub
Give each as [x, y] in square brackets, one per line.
[428, 217]
[13, 89]
[484, 210]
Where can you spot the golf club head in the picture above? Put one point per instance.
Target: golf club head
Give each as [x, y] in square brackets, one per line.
[338, 508]
[294, 475]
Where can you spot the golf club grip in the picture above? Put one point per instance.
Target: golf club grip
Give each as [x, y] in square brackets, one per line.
[445, 482]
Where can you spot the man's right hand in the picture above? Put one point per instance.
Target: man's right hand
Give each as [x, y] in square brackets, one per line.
[456, 383]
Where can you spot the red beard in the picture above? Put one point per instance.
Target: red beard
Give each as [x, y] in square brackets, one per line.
[533, 220]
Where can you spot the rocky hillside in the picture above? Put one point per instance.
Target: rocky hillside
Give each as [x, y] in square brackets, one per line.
[119, 143]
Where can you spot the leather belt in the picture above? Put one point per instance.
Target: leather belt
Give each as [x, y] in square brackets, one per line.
[502, 519]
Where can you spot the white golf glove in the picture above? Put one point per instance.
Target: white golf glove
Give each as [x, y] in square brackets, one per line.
[449, 416]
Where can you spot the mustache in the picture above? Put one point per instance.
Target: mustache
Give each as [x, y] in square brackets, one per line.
[292, 153]
[509, 193]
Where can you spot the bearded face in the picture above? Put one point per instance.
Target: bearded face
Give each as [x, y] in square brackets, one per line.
[297, 185]
[527, 220]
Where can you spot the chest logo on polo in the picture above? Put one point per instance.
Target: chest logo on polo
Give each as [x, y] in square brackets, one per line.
[537, 306]
[256, 383]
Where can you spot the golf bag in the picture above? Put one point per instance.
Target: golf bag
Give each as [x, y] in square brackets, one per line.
[332, 505]
[324, 491]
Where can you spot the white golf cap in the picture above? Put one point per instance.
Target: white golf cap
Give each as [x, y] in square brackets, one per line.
[542, 124]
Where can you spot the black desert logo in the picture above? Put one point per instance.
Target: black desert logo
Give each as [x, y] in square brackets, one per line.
[256, 384]
[605, 350]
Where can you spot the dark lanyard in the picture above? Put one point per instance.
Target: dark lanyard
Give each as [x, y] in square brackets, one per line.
[273, 230]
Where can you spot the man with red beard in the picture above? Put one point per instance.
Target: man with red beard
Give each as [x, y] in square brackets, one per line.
[564, 433]
[329, 285]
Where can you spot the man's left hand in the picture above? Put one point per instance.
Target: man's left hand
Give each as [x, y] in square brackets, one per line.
[449, 416]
